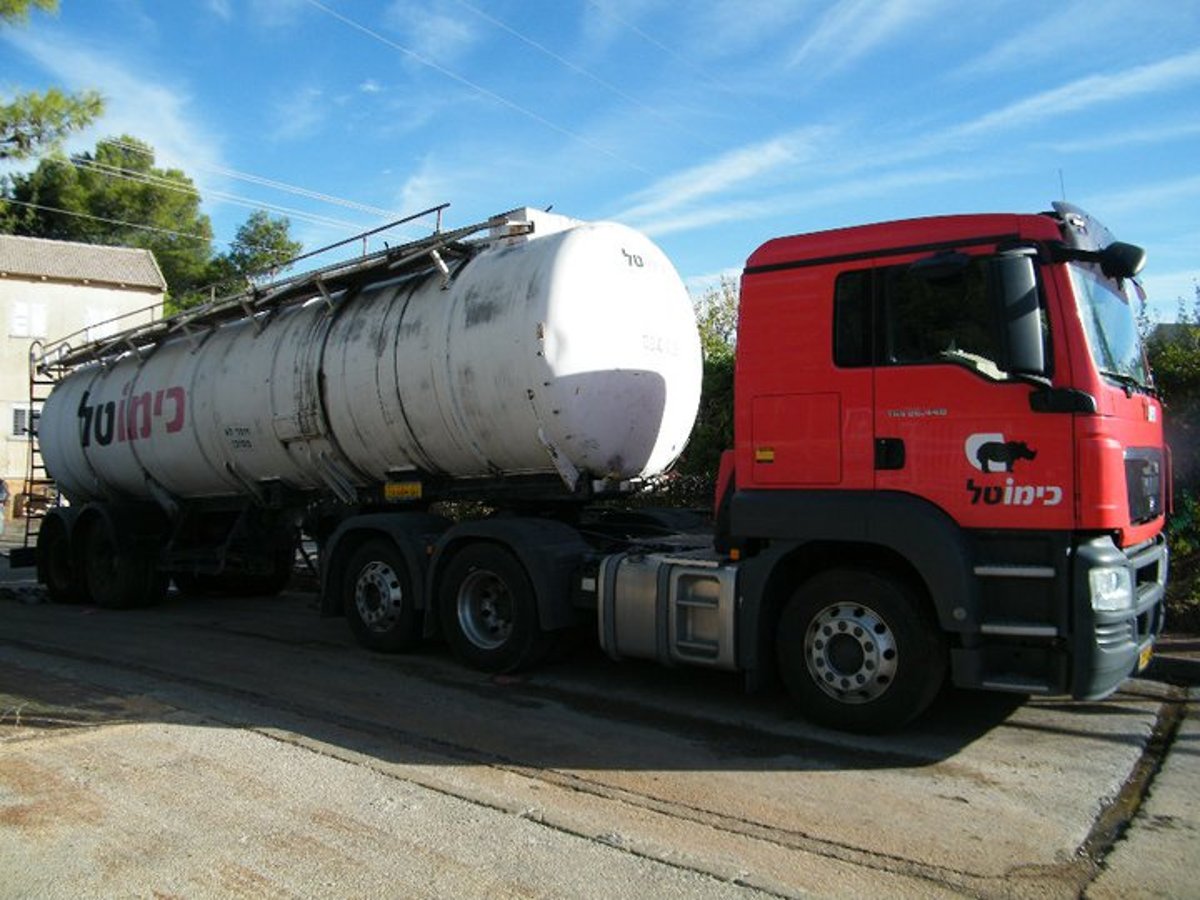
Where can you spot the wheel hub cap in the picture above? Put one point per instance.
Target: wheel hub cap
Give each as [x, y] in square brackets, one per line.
[485, 610]
[378, 596]
[851, 652]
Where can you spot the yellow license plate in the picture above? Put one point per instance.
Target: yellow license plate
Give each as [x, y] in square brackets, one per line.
[1144, 656]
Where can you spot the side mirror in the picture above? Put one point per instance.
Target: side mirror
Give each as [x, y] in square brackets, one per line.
[1121, 260]
[1016, 280]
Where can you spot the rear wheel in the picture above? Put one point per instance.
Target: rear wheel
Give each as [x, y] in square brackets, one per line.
[489, 610]
[859, 651]
[119, 578]
[64, 582]
[378, 598]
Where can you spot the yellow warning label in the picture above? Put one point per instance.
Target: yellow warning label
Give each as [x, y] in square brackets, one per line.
[764, 454]
[402, 490]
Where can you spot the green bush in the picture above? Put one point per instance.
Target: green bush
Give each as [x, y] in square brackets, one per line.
[1174, 353]
[1183, 588]
[694, 478]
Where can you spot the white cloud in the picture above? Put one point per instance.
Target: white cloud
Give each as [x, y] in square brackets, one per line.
[370, 86]
[854, 28]
[735, 169]
[429, 186]
[605, 22]
[700, 285]
[1087, 92]
[1052, 36]
[1147, 196]
[136, 103]
[730, 26]
[705, 217]
[1075, 96]
[433, 31]
[825, 194]
[222, 9]
[1165, 290]
[276, 13]
[300, 115]
[1127, 136]
[1073, 31]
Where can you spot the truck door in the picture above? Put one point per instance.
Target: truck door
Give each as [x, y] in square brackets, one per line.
[953, 424]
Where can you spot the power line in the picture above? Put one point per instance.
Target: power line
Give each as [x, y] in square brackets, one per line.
[265, 182]
[655, 42]
[192, 191]
[698, 70]
[407, 220]
[579, 70]
[477, 88]
[121, 222]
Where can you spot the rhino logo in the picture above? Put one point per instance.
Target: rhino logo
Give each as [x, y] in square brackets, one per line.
[992, 453]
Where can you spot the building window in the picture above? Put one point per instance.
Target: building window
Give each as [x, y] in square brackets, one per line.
[22, 421]
[27, 319]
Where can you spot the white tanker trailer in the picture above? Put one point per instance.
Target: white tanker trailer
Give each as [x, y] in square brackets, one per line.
[570, 351]
[545, 363]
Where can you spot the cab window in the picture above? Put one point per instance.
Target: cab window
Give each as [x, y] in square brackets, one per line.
[946, 310]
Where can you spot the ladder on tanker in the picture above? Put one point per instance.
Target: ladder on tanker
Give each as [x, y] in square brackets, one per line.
[330, 283]
[38, 492]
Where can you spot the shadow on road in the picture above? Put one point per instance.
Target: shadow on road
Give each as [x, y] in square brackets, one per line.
[273, 664]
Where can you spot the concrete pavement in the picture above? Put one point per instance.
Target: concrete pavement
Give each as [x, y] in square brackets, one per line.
[585, 780]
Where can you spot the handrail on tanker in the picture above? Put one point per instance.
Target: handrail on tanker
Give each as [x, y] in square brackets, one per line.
[59, 356]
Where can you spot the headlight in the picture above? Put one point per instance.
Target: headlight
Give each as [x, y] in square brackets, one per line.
[1112, 589]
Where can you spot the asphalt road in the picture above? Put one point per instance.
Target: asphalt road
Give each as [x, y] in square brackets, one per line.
[248, 748]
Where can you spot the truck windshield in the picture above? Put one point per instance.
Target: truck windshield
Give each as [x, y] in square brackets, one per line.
[1106, 307]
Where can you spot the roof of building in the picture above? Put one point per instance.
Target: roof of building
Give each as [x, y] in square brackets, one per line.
[38, 258]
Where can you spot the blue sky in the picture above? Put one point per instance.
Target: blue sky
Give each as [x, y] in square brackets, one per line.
[712, 126]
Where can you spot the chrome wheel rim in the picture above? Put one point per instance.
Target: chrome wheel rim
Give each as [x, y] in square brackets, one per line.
[485, 610]
[851, 653]
[378, 596]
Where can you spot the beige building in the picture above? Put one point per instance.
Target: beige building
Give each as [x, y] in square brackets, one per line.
[50, 290]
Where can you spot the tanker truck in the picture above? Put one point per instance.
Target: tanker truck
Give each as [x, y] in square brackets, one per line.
[948, 461]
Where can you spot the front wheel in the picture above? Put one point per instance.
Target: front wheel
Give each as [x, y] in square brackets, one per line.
[489, 610]
[859, 651]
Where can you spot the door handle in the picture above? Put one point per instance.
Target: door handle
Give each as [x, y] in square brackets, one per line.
[889, 454]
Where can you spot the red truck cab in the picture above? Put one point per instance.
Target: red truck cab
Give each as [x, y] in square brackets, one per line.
[948, 457]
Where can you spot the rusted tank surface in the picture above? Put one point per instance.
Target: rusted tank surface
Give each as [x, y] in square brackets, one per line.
[570, 352]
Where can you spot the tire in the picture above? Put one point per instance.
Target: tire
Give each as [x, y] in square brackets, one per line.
[378, 598]
[859, 651]
[63, 579]
[489, 610]
[118, 580]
